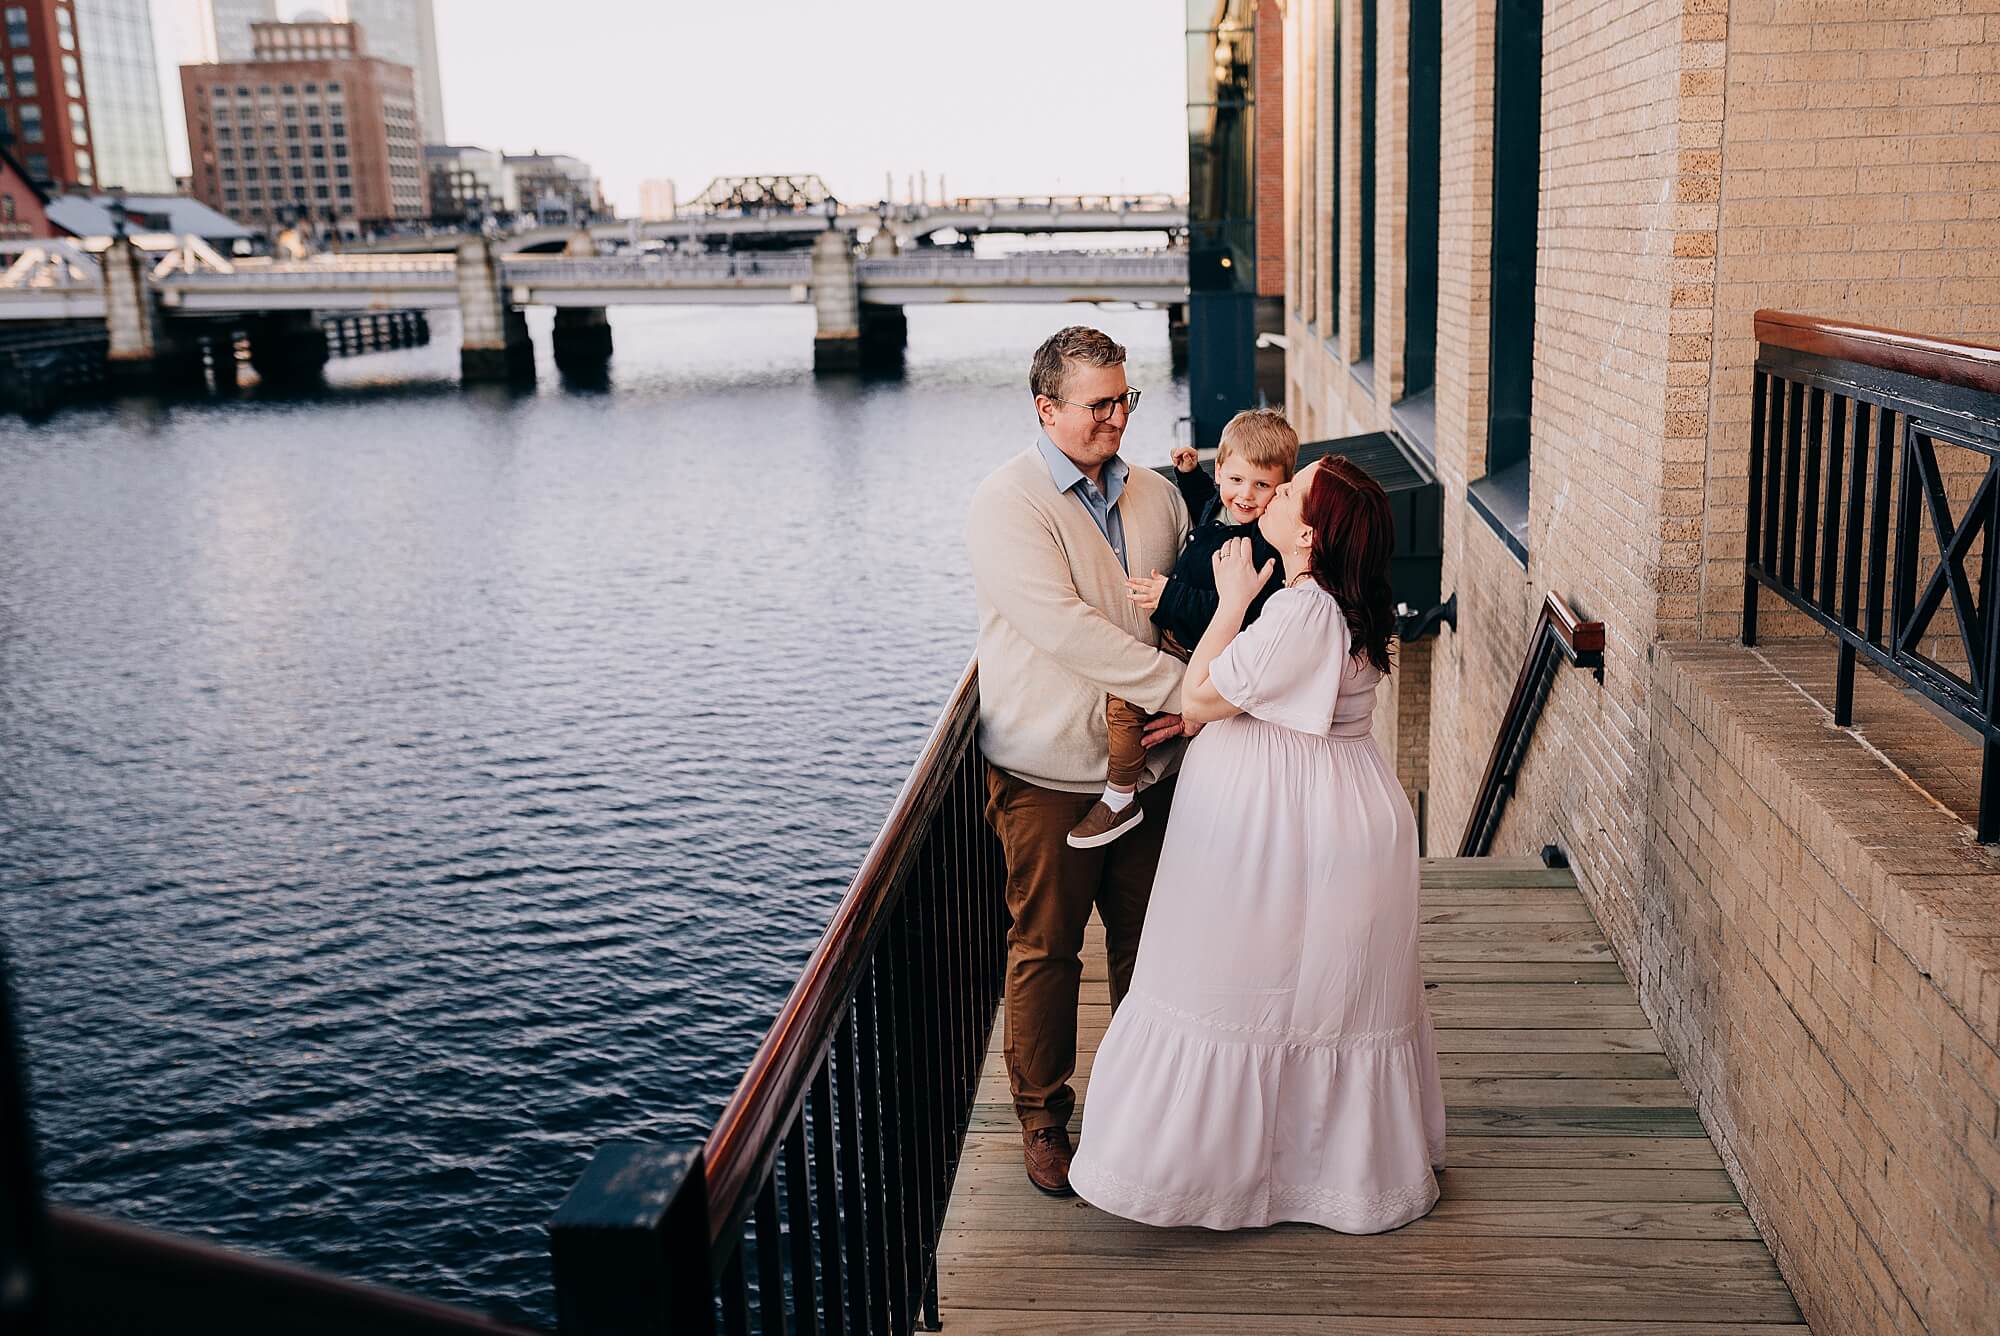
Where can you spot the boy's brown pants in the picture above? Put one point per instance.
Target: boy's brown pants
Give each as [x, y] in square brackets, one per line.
[1125, 723]
[1050, 890]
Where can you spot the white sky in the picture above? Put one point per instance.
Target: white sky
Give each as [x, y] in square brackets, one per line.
[1026, 97]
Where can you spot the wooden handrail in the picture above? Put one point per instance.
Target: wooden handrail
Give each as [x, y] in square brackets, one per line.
[1558, 630]
[746, 1137]
[107, 1272]
[1974, 366]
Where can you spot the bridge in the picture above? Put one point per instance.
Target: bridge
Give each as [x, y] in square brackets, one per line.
[148, 289]
[907, 223]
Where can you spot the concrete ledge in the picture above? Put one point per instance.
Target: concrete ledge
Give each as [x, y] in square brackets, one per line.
[1818, 941]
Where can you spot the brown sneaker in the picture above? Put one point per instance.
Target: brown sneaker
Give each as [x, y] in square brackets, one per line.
[1047, 1152]
[1101, 825]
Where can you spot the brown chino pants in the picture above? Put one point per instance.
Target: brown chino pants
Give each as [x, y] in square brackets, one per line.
[1050, 889]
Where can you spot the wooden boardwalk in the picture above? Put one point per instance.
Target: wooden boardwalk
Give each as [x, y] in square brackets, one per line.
[1581, 1196]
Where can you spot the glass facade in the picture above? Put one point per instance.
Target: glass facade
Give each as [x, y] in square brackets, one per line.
[1222, 226]
[404, 31]
[225, 26]
[121, 80]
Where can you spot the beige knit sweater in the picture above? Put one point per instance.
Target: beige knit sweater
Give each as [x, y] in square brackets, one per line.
[1057, 633]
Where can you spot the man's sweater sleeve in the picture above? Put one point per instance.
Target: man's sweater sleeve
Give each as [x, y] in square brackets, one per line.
[1019, 567]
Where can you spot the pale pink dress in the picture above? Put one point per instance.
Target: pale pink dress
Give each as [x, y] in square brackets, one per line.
[1274, 1059]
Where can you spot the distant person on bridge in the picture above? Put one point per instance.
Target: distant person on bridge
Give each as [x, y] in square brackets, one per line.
[1054, 533]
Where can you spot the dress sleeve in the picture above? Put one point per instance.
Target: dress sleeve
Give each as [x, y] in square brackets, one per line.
[1286, 665]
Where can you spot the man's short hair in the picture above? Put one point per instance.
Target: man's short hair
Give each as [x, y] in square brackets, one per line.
[1261, 438]
[1073, 346]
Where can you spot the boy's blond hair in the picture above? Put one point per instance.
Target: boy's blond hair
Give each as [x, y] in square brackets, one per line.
[1262, 438]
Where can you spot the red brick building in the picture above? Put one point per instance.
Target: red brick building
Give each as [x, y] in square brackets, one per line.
[311, 128]
[23, 205]
[42, 100]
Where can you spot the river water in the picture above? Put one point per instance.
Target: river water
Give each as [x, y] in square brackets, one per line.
[405, 789]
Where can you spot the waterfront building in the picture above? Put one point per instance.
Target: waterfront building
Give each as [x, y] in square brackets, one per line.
[1529, 247]
[122, 74]
[468, 184]
[555, 188]
[225, 26]
[23, 203]
[405, 31]
[1236, 258]
[312, 128]
[44, 101]
[656, 198]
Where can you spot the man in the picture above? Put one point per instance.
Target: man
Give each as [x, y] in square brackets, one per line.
[1053, 533]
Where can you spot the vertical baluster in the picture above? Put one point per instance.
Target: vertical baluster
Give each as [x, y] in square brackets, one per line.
[799, 1226]
[735, 1295]
[854, 1200]
[1774, 465]
[876, 1077]
[826, 1190]
[1909, 510]
[1836, 460]
[1851, 551]
[770, 1261]
[964, 1064]
[895, 1076]
[1878, 523]
[1753, 516]
[929, 1018]
[913, 1027]
[1809, 511]
[1788, 519]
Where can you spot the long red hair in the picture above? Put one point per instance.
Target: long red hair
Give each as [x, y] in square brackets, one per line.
[1353, 534]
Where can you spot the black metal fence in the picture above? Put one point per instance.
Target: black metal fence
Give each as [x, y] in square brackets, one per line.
[815, 1205]
[1874, 506]
[818, 1201]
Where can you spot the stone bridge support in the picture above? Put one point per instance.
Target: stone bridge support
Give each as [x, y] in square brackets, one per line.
[142, 350]
[288, 348]
[582, 333]
[495, 344]
[853, 335]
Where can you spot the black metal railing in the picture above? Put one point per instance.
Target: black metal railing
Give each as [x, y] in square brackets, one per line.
[1559, 637]
[1874, 504]
[817, 1202]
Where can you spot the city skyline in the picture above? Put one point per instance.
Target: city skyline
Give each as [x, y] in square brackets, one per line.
[1078, 98]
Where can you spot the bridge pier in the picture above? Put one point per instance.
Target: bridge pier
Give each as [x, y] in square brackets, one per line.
[852, 335]
[141, 348]
[582, 333]
[287, 348]
[495, 344]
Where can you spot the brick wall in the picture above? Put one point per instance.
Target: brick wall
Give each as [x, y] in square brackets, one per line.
[1269, 154]
[1830, 997]
[1860, 178]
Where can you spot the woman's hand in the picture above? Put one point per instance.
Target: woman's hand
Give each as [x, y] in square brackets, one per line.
[1145, 590]
[1185, 459]
[1236, 580]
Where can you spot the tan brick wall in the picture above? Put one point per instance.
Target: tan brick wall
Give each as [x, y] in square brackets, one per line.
[1860, 179]
[1831, 998]
[1270, 151]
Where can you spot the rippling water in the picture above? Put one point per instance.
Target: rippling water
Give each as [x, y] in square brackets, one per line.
[405, 789]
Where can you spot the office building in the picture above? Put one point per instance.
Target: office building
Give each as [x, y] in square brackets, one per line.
[123, 78]
[312, 128]
[43, 99]
[468, 184]
[555, 188]
[225, 26]
[405, 32]
[656, 199]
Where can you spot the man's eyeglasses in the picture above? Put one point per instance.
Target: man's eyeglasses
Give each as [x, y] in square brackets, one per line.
[1101, 409]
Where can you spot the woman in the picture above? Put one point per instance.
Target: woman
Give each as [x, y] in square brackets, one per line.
[1274, 1059]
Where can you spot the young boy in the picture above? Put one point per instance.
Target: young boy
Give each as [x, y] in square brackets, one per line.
[1259, 452]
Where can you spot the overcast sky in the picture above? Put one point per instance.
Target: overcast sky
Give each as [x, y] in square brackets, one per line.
[1025, 97]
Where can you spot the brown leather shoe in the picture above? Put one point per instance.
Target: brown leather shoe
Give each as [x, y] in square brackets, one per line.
[1101, 825]
[1047, 1152]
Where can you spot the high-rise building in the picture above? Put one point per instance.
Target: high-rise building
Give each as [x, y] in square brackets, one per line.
[468, 184]
[42, 93]
[313, 127]
[121, 72]
[404, 31]
[656, 198]
[225, 26]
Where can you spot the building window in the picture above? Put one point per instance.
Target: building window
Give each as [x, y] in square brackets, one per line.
[17, 25]
[31, 123]
[294, 151]
[37, 163]
[24, 76]
[1364, 343]
[65, 33]
[72, 80]
[231, 195]
[1420, 263]
[7, 207]
[1502, 495]
[340, 150]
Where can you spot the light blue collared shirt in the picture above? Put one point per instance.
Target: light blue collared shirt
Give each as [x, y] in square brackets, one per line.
[1102, 506]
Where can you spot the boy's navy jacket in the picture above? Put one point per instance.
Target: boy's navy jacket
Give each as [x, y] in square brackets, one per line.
[1188, 603]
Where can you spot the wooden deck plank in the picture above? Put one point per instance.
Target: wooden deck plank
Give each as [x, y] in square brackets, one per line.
[1581, 1194]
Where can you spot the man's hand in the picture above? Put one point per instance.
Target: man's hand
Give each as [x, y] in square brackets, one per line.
[1161, 727]
[1145, 590]
[1185, 459]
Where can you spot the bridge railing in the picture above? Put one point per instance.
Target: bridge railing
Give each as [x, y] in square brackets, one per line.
[818, 1200]
[779, 269]
[1874, 509]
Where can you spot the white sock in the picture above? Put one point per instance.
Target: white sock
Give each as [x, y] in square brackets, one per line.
[1119, 799]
